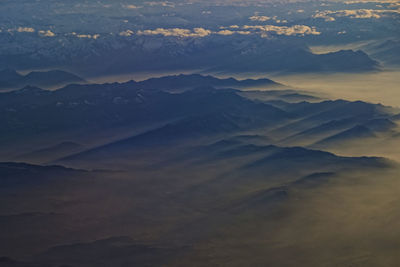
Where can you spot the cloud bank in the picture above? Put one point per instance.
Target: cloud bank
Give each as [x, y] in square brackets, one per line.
[177, 32]
[329, 15]
[284, 30]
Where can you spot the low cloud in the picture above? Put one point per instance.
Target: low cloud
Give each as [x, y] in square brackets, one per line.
[350, 2]
[87, 36]
[177, 32]
[260, 18]
[131, 7]
[25, 29]
[229, 32]
[329, 15]
[266, 18]
[230, 27]
[243, 32]
[161, 3]
[263, 30]
[226, 32]
[47, 33]
[126, 33]
[294, 30]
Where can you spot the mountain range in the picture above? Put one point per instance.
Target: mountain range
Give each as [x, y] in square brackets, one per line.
[170, 110]
[164, 171]
[199, 133]
[213, 54]
[11, 79]
[386, 51]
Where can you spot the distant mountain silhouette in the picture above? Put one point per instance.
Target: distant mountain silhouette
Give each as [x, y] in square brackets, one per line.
[10, 79]
[252, 168]
[291, 96]
[356, 133]
[387, 51]
[22, 174]
[115, 250]
[252, 139]
[299, 60]
[183, 81]
[227, 54]
[50, 153]
[148, 113]
[90, 108]
[348, 60]
[320, 131]
[380, 124]
[234, 114]
[396, 117]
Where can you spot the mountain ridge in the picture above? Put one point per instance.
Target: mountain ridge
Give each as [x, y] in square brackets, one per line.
[11, 79]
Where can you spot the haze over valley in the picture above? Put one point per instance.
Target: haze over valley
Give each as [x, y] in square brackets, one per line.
[199, 133]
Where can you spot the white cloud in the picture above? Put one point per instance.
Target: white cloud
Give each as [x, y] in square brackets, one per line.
[229, 32]
[281, 21]
[131, 7]
[87, 36]
[196, 32]
[161, 3]
[350, 2]
[126, 33]
[47, 33]
[259, 18]
[263, 30]
[243, 32]
[25, 29]
[360, 14]
[283, 30]
[266, 18]
[177, 32]
[226, 32]
[275, 18]
[230, 27]
[329, 15]
[324, 15]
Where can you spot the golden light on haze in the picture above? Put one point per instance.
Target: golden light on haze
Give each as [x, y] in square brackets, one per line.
[377, 87]
[350, 219]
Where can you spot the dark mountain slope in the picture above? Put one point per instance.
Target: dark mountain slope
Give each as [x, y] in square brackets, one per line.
[354, 134]
[196, 80]
[312, 115]
[22, 174]
[50, 153]
[386, 51]
[227, 119]
[98, 107]
[299, 60]
[10, 79]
